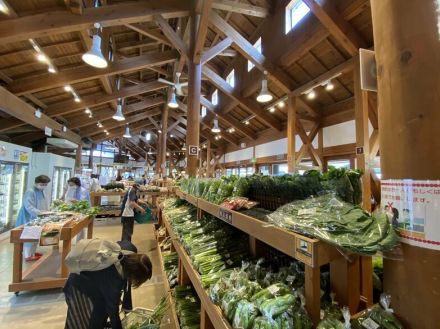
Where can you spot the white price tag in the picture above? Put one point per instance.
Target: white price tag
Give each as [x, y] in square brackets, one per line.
[308, 211]
[370, 324]
[290, 278]
[273, 289]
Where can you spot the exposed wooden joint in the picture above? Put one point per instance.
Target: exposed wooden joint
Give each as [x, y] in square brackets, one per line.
[176, 41]
[154, 34]
[202, 31]
[216, 50]
[240, 8]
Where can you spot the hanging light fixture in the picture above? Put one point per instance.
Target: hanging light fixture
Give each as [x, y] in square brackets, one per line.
[272, 109]
[231, 130]
[215, 128]
[90, 115]
[184, 147]
[127, 133]
[246, 122]
[281, 104]
[148, 136]
[149, 151]
[119, 116]
[264, 96]
[173, 102]
[99, 124]
[87, 110]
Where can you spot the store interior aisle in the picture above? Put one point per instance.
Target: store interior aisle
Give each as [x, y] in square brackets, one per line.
[47, 309]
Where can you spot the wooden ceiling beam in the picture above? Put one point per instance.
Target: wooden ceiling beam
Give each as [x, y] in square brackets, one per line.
[240, 8]
[202, 31]
[57, 22]
[130, 45]
[111, 124]
[248, 104]
[341, 30]
[226, 137]
[17, 108]
[84, 73]
[71, 106]
[154, 34]
[118, 132]
[176, 41]
[216, 50]
[108, 114]
[227, 119]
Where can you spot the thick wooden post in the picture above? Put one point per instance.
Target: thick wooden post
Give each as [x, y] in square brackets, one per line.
[407, 46]
[78, 157]
[92, 148]
[163, 146]
[362, 135]
[159, 152]
[194, 87]
[208, 159]
[291, 134]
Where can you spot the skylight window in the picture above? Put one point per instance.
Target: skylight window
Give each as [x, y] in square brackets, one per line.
[230, 79]
[214, 97]
[203, 112]
[257, 45]
[296, 10]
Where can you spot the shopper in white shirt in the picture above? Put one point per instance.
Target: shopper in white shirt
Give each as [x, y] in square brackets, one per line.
[75, 192]
[131, 201]
[94, 183]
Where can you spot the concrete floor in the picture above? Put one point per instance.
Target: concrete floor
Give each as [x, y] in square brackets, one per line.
[47, 309]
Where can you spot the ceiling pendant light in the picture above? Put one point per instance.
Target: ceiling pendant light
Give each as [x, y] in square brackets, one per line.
[184, 147]
[215, 128]
[119, 116]
[173, 102]
[87, 110]
[149, 151]
[127, 133]
[94, 56]
[99, 124]
[264, 96]
[148, 136]
[272, 109]
[281, 104]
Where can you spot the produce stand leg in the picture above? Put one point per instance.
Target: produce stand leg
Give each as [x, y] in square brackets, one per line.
[17, 265]
[183, 278]
[256, 247]
[67, 245]
[313, 292]
[90, 230]
[205, 321]
[345, 280]
[366, 280]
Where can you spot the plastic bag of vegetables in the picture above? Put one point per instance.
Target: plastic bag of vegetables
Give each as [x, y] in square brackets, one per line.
[264, 323]
[331, 322]
[277, 289]
[230, 301]
[376, 317]
[245, 315]
[276, 306]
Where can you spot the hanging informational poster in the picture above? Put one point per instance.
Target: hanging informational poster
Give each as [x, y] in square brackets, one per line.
[414, 206]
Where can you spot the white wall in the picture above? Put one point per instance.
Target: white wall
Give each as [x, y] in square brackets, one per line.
[340, 134]
[240, 155]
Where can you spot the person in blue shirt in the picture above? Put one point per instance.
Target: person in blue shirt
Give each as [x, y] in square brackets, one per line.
[34, 203]
[75, 192]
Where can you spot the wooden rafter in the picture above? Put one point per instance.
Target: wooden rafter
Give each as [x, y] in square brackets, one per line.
[202, 31]
[240, 8]
[216, 50]
[154, 34]
[175, 39]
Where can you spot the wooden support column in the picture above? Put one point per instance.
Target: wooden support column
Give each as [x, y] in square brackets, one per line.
[163, 146]
[194, 87]
[362, 135]
[158, 153]
[407, 50]
[291, 134]
[208, 159]
[78, 157]
[92, 148]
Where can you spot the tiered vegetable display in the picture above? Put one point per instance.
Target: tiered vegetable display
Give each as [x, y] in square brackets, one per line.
[187, 307]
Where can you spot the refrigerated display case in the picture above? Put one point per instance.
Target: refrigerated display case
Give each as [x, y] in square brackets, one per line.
[20, 179]
[59, 182]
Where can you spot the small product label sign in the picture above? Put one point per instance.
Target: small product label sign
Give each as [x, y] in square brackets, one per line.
[225, 215]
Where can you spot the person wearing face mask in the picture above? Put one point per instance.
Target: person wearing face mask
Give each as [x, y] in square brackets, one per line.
[34, 203]
[75, 192]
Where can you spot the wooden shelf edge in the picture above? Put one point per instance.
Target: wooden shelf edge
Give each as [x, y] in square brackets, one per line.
[214, 312]
[310, 251]
[175, 319]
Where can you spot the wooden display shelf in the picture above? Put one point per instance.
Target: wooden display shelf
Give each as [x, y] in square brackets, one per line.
[115, 212]
[214, 312]
[107, 193]
[36, 278]
[311, 252]
[174, 317]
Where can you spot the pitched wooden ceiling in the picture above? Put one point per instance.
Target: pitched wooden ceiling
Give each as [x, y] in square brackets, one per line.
[148, 38]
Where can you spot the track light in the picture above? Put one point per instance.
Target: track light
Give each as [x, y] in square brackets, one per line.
[68, 88]
[90, 115]
[311, 94]
[329, 85]
[264, 96]
[99, 124]
[246, 122]
[231, 130]
[171, 135]
[37, 113]
[173, 103]
[215, 128]
[107, 133]
[281, 104]
[52, 69]
[87, 110]
[272, 109]
[42, 58]
[77, 99]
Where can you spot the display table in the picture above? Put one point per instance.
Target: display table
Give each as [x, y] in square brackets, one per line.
[49, 271]
[95, 200]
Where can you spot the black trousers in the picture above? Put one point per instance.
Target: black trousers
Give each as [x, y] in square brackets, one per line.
[127, 228]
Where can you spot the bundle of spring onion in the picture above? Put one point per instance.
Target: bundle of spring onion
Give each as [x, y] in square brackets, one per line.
[170, 263]
[187, 307]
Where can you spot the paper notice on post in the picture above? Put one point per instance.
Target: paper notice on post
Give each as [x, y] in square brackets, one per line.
[31, 233]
